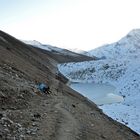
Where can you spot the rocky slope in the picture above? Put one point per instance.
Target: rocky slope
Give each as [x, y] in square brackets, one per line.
[28, 114]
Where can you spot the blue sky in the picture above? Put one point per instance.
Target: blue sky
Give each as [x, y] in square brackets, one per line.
[83, 24]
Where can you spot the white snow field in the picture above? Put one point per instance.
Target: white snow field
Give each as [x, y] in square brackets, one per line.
[119, 68]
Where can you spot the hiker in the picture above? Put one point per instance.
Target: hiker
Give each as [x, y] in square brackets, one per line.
[44, 88]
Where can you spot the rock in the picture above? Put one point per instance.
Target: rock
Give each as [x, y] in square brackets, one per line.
[28, 132]
[33, 133]
[92, 125]
[92, 113]
[73, 105]
[34, 124]
[22, 136]
[102, 136]
[1, 115]
[37, 115]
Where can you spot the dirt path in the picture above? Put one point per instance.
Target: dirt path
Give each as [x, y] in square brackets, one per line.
[68, 129]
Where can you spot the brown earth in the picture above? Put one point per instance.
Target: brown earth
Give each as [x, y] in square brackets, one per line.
[28, 114]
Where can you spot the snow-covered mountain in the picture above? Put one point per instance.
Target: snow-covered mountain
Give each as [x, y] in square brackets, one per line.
[128, 46]
[121, 68]
[53, 48]
[46, 47]
[76, 50]
[60, 53]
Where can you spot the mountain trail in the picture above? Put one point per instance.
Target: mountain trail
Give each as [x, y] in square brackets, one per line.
[68, 126]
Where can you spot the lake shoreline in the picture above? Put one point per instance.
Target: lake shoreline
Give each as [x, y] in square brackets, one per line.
[100, 94]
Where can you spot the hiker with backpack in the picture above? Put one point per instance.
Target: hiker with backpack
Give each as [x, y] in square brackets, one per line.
[44, 88]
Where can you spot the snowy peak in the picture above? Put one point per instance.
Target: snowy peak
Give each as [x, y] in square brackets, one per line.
[50, 47]
[53, 48]
[128, 46]
[32, 42]
[133, 37]
[45, 47]
[76, 50]
[37, 44]
[135, 33]
[60, 52]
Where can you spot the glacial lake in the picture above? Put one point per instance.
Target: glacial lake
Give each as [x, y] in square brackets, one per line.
[98, 93]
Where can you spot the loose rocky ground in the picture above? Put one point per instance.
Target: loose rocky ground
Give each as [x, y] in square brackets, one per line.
[27, 114]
